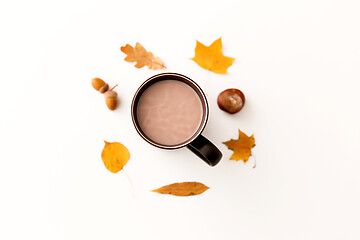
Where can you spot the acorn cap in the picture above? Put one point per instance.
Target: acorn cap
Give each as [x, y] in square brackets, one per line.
[110, 94]
[104, 88]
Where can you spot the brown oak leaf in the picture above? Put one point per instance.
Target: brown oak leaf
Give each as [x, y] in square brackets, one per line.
[142, 58]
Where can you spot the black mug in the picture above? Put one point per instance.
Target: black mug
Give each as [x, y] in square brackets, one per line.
[197, 143]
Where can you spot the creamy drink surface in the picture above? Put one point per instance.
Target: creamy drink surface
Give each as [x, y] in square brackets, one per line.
[169, 112]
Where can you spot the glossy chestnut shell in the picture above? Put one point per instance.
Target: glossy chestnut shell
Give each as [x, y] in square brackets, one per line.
[231, 100]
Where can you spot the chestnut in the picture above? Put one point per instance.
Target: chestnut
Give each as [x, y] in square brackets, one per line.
[231, 100]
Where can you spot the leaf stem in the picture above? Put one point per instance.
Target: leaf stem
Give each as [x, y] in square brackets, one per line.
[163, 65]
[131, 184]
[113, 87]
[254, 161]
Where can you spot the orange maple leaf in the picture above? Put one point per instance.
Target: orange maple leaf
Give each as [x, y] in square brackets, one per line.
[211, 58]
[241, 147]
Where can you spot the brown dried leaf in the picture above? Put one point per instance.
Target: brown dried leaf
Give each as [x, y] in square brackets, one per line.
[183, 189]
[241, 147]
[142, 58]
[115, 156]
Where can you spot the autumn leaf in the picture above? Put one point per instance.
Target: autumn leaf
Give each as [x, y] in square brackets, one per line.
[142, 58]
[115, 156]
[183, 189]
[241, 147]
[211, 58]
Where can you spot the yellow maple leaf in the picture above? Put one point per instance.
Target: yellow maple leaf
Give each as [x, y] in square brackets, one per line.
[211, 58]
[183, 189]
[142, 58]
[241, 147]
[115, 156]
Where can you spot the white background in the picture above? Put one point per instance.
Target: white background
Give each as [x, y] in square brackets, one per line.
[297, 63]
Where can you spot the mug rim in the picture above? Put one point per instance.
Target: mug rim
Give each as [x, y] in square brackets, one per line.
[177, 77]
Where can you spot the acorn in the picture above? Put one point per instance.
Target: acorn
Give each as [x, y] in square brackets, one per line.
[231, 100]
[99, 85]
[111, 98]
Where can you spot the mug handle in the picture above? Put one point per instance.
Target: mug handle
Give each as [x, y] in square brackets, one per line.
[205, 150]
